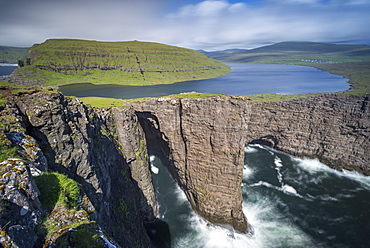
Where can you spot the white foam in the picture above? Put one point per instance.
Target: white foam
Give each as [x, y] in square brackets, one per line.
[207, 235]
[249, 149]
[181, 197]
[311, 165]
[278, 162]
[247, 172]
[154, 169]
[256, 145]
[314, 166]
[265, 184]
[270, 228]
[289, 189]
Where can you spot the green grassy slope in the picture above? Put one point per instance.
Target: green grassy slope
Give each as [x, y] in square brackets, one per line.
[10, 55]
[350, 61]
[65, 61]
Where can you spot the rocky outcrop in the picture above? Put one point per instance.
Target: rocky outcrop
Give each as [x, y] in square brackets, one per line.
[78, 142]
[20, 206]
[202, 141]
[129, 139]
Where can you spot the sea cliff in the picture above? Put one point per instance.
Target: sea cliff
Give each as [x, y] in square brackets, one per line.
[83, 144]
[201, 141]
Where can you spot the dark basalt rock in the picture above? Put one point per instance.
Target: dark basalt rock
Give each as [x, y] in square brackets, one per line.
[200, 140]
[77, 142]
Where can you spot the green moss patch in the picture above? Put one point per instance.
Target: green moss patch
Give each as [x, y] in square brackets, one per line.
[81, 237]
[57, 189]
[8, 152]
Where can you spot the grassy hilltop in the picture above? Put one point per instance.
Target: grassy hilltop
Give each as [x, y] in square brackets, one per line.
[64, 61]
[11, 55]
[350, 61]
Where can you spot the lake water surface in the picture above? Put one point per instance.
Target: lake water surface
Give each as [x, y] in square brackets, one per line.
[244, 79]
[7, 69]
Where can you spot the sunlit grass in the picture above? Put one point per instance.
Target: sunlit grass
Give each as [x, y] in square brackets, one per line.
[59, 62]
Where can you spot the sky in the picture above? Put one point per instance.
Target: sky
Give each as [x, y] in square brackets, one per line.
[202, 25]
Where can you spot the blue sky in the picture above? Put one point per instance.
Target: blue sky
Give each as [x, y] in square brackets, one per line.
[196, 24]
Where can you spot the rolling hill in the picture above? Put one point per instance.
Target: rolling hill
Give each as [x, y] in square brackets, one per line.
[65, 61]
[11, 55]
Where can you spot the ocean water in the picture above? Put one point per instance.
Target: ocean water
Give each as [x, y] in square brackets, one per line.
[290, 202]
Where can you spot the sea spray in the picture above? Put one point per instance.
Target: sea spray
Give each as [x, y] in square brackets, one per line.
[290, 202]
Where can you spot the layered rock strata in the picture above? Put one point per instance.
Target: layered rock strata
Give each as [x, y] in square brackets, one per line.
[80, 143]
[202, 141]
[333, 128]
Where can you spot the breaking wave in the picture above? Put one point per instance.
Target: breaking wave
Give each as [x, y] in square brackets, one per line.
[290, 202]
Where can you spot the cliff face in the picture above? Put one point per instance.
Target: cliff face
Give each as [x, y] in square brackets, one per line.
[333, 128]
[81, 144]
[129, 138]
[202, 141]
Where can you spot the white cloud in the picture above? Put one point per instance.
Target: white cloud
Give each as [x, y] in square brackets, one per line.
[220, 24]
[210, 24]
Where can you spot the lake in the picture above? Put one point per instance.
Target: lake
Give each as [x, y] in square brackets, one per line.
[7, 69]
[244, 79]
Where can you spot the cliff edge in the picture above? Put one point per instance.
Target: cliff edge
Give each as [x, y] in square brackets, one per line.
[202, 141]
[73, 139]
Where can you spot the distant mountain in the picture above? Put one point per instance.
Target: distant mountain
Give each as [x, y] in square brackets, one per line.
[297, 52]
[65, 61]
[217, 53]
[10, 55]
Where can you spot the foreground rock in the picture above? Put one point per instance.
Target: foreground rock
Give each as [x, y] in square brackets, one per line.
[77, 142]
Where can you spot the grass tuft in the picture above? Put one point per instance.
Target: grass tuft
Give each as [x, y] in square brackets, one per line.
[57, 189]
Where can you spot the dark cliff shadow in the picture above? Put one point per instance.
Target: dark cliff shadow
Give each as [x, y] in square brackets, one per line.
[116, 201]
[267, 140]
[157, 144]
[159, 233]
[50, 189]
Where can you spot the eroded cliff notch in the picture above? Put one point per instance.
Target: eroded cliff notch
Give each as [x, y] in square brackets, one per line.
[200, 142]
